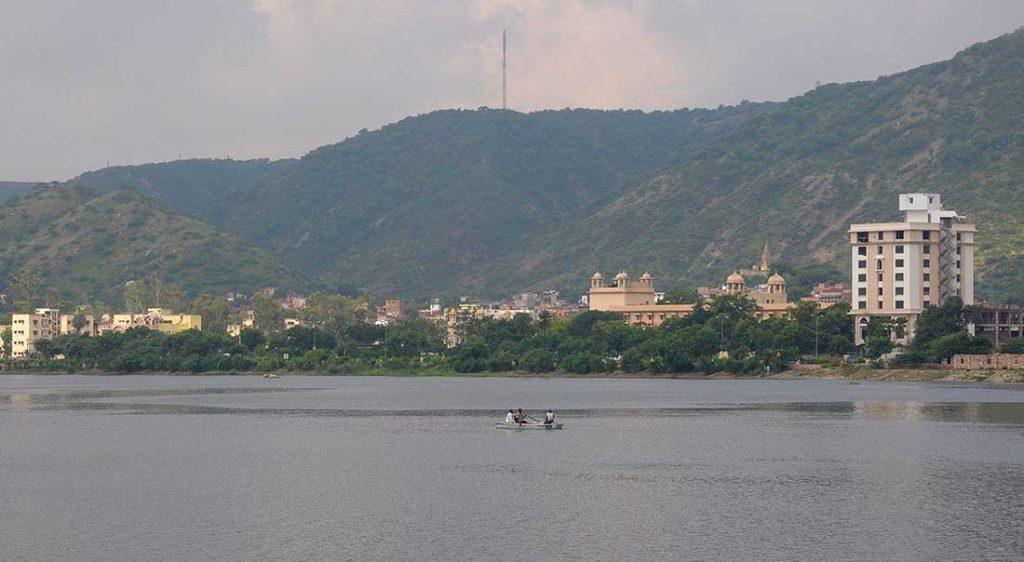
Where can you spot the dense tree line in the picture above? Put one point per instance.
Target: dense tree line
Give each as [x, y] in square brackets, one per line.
[721, 335]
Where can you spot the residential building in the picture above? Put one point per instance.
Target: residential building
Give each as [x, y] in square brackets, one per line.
[899, 268]
[826, 295]
[27, 329]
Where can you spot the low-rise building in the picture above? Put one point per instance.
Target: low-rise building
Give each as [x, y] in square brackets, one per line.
[153, 319]
[638, 304]
[826, 295]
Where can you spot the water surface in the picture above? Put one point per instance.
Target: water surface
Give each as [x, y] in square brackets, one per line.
[307, 468]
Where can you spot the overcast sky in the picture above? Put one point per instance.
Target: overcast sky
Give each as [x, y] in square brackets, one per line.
[87, 82]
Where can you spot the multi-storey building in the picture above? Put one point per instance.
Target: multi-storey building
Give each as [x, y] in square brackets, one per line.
[27, 329]
[899, 268]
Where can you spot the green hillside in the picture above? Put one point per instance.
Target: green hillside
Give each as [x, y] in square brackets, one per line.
[199, 187]
[92, 246]
[9, 189]
[488, 202]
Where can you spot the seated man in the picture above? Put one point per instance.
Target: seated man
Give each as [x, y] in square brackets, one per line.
[549, 418]
[510, 417]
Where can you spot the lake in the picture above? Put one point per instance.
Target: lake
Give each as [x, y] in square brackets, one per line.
[403, 468]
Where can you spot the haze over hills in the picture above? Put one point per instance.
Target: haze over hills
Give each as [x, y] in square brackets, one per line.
[488, 202]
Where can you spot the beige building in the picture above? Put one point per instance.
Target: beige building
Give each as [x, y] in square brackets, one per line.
[898, 268]
[27, 329]
[154, 319]
[638, 306]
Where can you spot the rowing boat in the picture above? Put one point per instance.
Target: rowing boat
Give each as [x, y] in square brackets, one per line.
[502, 425]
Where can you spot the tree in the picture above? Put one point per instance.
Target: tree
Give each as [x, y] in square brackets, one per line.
[5, 342]
[268, 316]
[214, 310]
[681, 295]
[332, 311]
[945, 347]
[1015, 345]
[26, 289]
[251, 338]
[135, 296]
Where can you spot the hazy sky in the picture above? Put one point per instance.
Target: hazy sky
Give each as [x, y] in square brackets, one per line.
[87, 82]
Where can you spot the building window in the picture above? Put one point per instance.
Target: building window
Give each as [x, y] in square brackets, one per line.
[879, 277]
[862, 264]
[881, 236]
[862, 277]
[879, 291]
[958, 237]
[899, 249]
[899, 291]
[862, 291]
[899, 263]
[862, 237]
[899, 304]
[958, 264]
[880, 249]
[927, 263]
[899, 277]
[881, 305]
[927, 291]
[862, 250]
[927, 277]
[926, 235]
[927, 249]
[899, 235]
[862, 305]
[957, 277]
[878, 265]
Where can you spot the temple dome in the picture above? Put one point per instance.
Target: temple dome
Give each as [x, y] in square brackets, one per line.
[597, 276]
[646, 276]
[776, 279]
[735, 279]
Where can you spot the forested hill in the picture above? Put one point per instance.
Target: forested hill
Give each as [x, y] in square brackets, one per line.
[89, 246]
[489, 201]
[10, 189]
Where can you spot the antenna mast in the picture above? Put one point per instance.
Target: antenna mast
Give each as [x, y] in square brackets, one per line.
[504, 66]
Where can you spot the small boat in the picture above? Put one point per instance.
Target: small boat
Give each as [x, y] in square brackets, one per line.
[503, 425]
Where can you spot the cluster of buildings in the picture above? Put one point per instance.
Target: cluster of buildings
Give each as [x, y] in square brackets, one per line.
[49, 323]
[897, 269]
[640, 306]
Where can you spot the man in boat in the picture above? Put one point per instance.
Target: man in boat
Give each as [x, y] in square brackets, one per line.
[549, 418]
[510, 417]
[519, 417]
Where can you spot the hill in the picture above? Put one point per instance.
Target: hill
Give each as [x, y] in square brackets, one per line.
[489, 202]
[10, 189]
[93, 245]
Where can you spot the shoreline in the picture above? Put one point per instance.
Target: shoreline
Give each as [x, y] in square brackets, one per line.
[850, 374]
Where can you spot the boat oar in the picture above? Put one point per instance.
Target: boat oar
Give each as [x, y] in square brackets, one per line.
[532, 418]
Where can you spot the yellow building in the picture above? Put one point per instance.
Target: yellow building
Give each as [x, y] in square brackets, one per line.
[154, 319]
[639, 307]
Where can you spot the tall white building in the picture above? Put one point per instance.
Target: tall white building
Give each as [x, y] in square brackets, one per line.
[901, 267]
